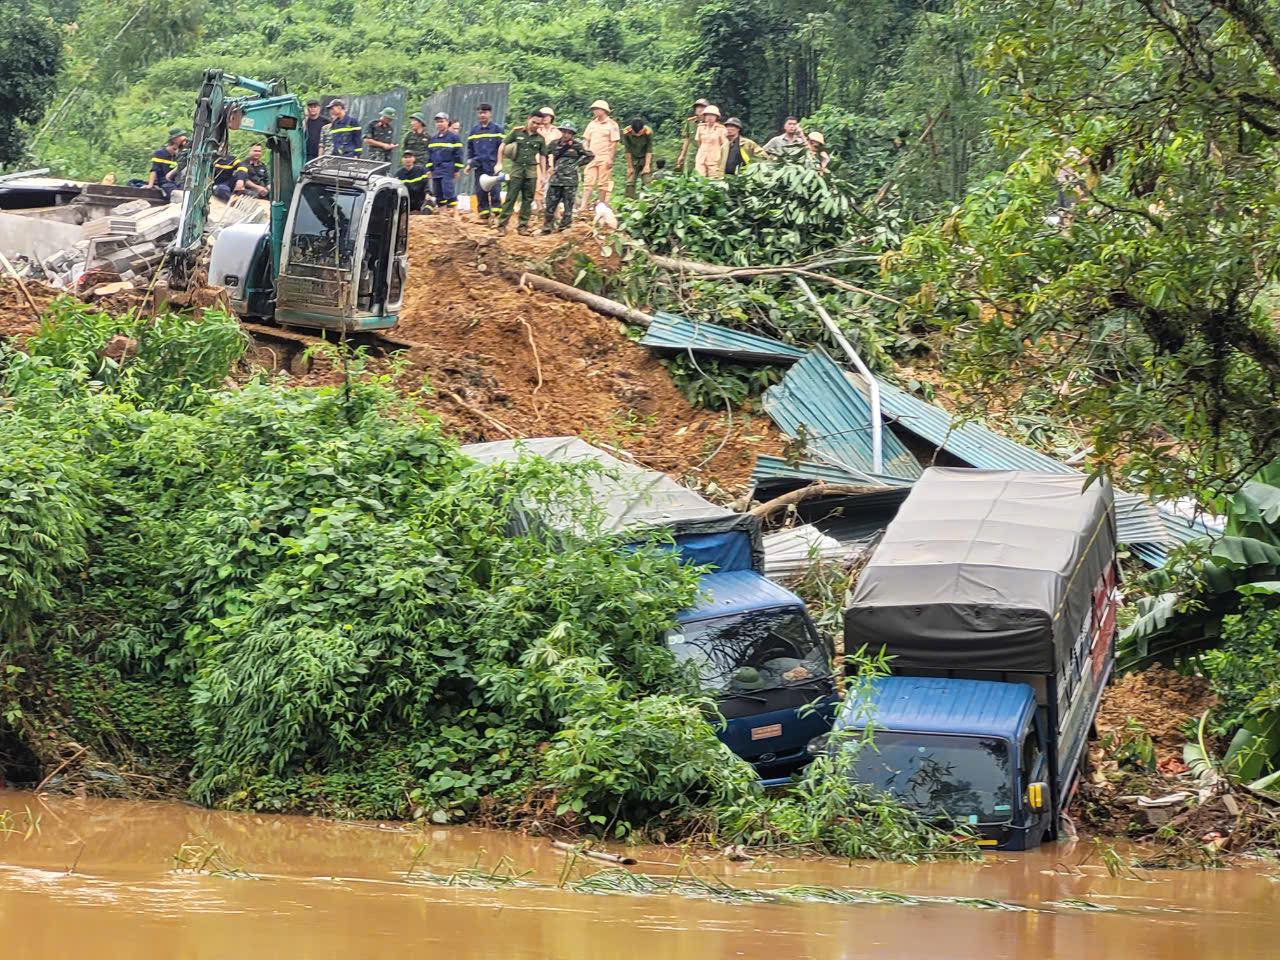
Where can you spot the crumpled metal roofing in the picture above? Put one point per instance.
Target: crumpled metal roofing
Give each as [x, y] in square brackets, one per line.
[778, 468]
[817, 402]
[670, 332]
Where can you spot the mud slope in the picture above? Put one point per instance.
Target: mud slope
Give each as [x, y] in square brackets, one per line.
[510, 361]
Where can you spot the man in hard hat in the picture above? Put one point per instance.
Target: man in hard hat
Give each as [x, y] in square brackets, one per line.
[740, 152]
[417, 140]
[483, 144]
[344, 131]
[521, 149]
[313, 126]
[445, 163]
[637, 147]
[688, 130]
[712, 140]
[601, 138]
[817, 154]
[380, 136]
[567, 156]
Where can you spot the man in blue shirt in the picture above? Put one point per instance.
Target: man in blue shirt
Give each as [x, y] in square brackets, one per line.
[345, 132]
[164, 163]
[444, 160]
[483, 144]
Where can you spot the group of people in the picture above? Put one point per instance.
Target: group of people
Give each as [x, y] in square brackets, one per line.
[541, 161]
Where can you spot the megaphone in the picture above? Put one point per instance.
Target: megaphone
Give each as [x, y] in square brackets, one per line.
[488, 181]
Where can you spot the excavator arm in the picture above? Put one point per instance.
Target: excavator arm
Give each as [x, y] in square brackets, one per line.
[271, 112]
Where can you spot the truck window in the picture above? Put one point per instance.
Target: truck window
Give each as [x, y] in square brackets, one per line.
[325, 226]
[745, 652]
[1030, 755]
[968, 780]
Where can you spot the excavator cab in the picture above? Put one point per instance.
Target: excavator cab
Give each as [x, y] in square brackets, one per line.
[343, 252]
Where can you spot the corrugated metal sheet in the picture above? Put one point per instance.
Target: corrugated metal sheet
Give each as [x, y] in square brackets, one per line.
[670, 332]
[1138, 521]
[817, 402]
[789, 553]
[776, 468]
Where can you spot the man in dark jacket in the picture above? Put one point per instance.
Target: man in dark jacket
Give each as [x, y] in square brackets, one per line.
[483, 143]
[568, 156]
[444, 160]
[314, 127]
[414, 177]
[345, 138]
[164, 163]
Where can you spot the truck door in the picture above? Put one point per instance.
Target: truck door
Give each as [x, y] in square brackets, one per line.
[400, 258]
[375, 274]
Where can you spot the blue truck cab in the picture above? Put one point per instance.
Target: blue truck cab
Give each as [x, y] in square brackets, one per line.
[751, 642]
[970, 750]
[993, 593]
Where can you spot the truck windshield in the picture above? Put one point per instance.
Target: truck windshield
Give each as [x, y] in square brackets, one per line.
[746, 652]
[325, 225]
[967, 779]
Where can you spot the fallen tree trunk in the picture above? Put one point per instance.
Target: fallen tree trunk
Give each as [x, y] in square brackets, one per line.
[610, 308]
[819, 488]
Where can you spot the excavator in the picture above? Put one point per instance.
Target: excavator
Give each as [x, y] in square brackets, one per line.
[334, 255]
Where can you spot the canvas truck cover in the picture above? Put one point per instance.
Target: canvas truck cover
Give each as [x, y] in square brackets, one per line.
[985, 570]
[635, 500]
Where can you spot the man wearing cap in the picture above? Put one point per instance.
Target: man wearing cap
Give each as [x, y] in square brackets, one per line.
[483, 143]
[551, 134]
[817, 154]
[711, 139]
[567, 156]
[444, 161]
[601, 138]
[251, 174]
[688, 130]
[414, 177]
[380, 135]
[637, 146]
[164, 162]
[416, 141]
[344, 131]
[740, 152]
[313, 125]
[521, 149]
[789, 141]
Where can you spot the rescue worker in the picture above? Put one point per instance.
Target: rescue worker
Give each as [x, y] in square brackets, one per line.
[567, 156]
[688, 130]
[164, 163]
[417, 140]
[551, 134]
[344, 131]
[313, 124]
[637, 147]
[601, 137]
[414, 177]
[711, 139]
[444, 161]
[817, 154]
[521, 149]
[224, 175]
[740, 152]
[380, 135]
[484, 141]
[251, 174]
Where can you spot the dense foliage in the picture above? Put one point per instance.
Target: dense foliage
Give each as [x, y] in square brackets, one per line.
[310, 600]
[30, 58]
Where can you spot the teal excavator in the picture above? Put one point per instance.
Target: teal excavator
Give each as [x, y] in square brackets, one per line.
[334, 255]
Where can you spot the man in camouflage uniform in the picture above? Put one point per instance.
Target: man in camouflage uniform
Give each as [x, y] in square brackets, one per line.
[380, 136]
[417, 139]
[521, 149]
[567, 156]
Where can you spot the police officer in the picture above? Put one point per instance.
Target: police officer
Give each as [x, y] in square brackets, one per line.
[444, 160]
[344, 131]
[313, 124]
[251, 175]
[414, 176]
[380, 135]
[164, 163]
[521, 149]
[224, 175]
[417, 140]
[483, 143]
[568, 156]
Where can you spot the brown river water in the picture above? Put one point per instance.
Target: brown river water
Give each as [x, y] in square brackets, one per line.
[98, 879]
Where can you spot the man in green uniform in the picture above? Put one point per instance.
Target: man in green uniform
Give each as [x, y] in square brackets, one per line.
[521, 149]
[637, 145]
[417, 139]
[688, 133]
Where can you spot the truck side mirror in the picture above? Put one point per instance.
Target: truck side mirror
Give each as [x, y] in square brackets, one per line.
[1036, 794]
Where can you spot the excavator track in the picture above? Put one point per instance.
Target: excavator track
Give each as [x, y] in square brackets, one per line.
[294, 344]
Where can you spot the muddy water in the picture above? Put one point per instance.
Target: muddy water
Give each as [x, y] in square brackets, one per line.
[98, 879]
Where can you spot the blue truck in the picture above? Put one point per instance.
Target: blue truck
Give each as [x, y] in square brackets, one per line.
[752, 642]
[994, 593]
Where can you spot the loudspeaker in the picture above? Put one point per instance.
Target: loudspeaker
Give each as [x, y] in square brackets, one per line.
[488, 181]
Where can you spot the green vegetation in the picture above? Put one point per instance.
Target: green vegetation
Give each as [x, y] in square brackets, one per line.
[309, 600]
